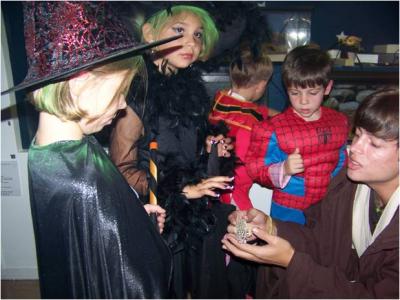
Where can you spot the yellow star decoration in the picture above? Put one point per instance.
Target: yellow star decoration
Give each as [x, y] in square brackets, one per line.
[341, 37]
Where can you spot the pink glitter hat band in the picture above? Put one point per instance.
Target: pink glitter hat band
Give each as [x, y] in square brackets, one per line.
[62, 38]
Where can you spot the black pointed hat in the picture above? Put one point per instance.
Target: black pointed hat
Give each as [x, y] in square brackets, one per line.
[63, 37]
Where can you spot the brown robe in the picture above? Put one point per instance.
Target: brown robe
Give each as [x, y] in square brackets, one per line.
[324, 264]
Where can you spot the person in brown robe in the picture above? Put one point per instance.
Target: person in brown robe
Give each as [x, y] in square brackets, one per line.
[349, 247]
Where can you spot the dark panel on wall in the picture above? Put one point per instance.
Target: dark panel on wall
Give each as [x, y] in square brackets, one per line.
[375, 22]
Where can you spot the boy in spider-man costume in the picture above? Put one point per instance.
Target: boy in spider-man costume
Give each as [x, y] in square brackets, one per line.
[249, 75]
[296, 153]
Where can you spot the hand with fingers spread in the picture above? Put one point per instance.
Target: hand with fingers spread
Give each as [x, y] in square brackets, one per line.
[151, 208]
[277, 251]
[294, 163]
[224, 145]
[208, 187]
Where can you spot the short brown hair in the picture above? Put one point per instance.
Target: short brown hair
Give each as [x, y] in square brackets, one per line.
[379, 114]
[246, 69]
[306, 66]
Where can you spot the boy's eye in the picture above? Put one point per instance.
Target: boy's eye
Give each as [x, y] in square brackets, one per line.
[314, 92]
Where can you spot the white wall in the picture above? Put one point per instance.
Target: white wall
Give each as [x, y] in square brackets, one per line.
[18, 254]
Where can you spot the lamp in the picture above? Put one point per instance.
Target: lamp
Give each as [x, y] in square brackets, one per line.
[297, 31]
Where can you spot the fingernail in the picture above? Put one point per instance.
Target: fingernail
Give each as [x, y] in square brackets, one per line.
[233, 177]
[217, 194]
[225, 147]
[229, 187]
[222, 141]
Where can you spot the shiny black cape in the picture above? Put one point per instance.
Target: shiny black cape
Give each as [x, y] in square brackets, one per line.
[93, 236]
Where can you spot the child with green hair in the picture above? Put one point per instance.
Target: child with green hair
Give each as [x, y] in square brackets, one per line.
[175, 116]
[165, 21]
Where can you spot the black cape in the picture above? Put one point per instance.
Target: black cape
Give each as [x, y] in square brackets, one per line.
[93, 237]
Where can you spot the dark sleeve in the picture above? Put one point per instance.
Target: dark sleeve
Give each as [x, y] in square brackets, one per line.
[322, 218]
[315, 280]
[124, 149]
[324, 257]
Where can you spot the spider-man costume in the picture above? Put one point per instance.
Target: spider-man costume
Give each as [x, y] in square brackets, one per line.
[322, 145]
[240, 116]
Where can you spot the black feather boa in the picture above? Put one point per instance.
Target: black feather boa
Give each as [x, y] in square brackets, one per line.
[182, 100]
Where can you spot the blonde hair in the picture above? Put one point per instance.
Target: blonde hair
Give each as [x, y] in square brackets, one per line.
[247, 70]
[55, 98]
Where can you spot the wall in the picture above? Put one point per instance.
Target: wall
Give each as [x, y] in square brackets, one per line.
[376, 22]
[18, 255]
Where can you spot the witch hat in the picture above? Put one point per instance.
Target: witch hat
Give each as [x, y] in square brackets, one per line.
[64, 37]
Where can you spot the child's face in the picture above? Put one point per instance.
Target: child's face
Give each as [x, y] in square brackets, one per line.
[101, 98]
[184, 51]
[306, 102]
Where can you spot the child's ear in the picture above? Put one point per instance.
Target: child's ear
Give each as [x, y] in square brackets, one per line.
[264, 83]
[261, 84]
[147, 32]
[328, 87]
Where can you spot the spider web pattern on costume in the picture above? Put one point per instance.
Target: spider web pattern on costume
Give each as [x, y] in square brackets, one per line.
[320, 143]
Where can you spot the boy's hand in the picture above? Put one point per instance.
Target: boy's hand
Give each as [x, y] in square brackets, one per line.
[294, 163]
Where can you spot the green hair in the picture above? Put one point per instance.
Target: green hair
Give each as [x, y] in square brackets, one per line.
[210, 31]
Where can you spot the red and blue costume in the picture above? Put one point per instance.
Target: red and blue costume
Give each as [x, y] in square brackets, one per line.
[322, 145]
[240, 116]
